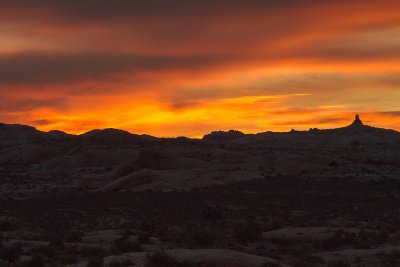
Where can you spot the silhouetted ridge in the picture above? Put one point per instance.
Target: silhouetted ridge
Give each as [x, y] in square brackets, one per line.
[110, 135]
[19, 133]
[22, 134]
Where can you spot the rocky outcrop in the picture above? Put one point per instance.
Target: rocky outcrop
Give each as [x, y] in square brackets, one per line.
[357, 121]
[222, 136]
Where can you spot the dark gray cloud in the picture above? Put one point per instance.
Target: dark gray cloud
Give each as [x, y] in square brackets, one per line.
[41, 122]
[28, 104]
[229, 42]
[313, 121]
[335, 52]
[390, 113]
[87, 10]
[43, 68]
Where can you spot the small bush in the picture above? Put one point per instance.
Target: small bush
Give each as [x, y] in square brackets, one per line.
[68, 259]
[37, 260]
[127, 233]
[11, 253]
[87, 251]
[5, 226]
[47, 251]
[74, 236]
[273, 224]
[162, 259]
[340, 263]
[122, 263]
[247, 232]
[271, 264]
[144, 238]
[339, 238]
[200, 238]
[124, 245]
[212, 213]
[57, 241]
[95, 262]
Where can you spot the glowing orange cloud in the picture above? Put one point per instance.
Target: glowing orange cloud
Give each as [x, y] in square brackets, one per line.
[187, 69]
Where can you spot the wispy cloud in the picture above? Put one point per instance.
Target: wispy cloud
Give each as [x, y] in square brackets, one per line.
[182, 67]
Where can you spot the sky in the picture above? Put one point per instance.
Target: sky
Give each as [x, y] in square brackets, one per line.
[185, 68]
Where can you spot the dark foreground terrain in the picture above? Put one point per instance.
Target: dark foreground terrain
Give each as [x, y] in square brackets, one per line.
[109, 198]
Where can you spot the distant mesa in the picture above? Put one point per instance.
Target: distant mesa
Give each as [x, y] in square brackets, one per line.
[108, 132]
[222, 136]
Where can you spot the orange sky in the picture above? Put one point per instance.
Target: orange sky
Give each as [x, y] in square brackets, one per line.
[172, 68]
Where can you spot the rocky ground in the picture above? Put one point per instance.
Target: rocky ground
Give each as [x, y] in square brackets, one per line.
[111, 198]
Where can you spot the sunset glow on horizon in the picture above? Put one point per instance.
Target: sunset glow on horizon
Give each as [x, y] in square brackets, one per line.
[184, 68]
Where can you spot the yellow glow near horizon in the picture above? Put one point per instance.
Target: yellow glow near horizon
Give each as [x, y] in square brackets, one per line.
[251, 68]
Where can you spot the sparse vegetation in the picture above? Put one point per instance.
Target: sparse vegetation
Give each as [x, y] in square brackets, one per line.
[124, 244]
[246, 232]
[340, 263]
[271, 264]
[297, 204]
[121, 263]
[162, 259]
[95, 262]
[10, 253]
[202, 237]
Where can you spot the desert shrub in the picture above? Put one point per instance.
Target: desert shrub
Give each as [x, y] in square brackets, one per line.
[355, 143]
[247, 232]
[5, 226]
[308, 260]
[200, 238]
[162, 259]
[87, 251]
[122, 263]
[37, 260]
[46, 254]
[383, 235]
[273, 224]
[95, 262]
[339, 263]
[212, 213]
[124, 245]
[47, 251]
[271, 264]
[11, 253]
[68, 259]
[334, 164]
[127, 233]
[280, 241]
[173, 236]
[391, 259]
[143, 238]
[365, 235]
[339, 238]
[57, 241]
[395, 253]
[73, 236]
[367, 239]
[146, 225]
